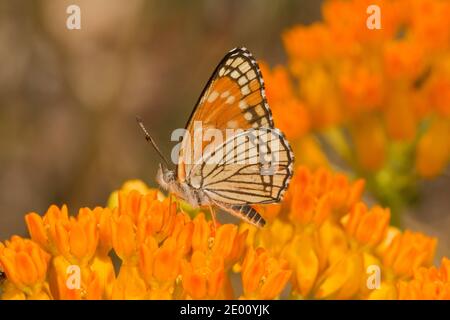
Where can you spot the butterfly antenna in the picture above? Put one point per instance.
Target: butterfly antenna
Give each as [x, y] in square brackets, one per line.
[150, 139]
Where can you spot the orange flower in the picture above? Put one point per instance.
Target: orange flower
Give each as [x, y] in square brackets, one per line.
[368, 227]
[159, 267]
[132, 185]
[401, 123]
[439, 94]
[403, 59]
[43, 229]
[73, 241]
[436, 89]
[351, 28]
[203, 276]
[104, 221]
[433, 150]
[135, 204]
[306, 208]
[229, 244]
[77, 240]
[314, 197]
[129, 284]
[74, 238]
[308, 43]
[91, 287]
[407, 252]
[281, 98]
[139, 225]
[226, 243]
[279, 86]
[101, 277]
[274, 236]
[342, 279]
[375, 85]
[123, 237]
[307, 242]
[25, 265]
[268, 211]
[324, 109]
[430, 25]
[427, 284]
[203, 232]
[139, 217]
[307, 151]
[292, 127]
[361, 89]
[263, 277]
[183, 232]
[370, 142]
[158, 219]
[304, 261]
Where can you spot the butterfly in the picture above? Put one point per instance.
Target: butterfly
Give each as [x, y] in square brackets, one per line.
[252, 165]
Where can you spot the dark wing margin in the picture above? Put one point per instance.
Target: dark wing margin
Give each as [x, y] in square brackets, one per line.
[238, 52]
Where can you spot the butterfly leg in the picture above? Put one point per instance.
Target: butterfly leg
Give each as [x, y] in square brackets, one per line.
[179, 208]
[213, 216]
[173, 197]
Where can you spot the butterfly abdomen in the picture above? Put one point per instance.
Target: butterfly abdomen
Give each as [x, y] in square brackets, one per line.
[249, 214]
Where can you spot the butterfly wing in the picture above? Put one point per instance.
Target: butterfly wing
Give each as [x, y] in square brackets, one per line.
[233, 98]
[249, 168]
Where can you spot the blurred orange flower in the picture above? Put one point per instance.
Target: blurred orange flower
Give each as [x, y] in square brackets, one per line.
[374, 100]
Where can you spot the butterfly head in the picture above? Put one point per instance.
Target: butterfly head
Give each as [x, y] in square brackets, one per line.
[165, 177]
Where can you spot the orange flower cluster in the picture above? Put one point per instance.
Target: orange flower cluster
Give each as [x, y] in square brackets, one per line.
[157, 244]
[320, 242]
[338, 248]
[379, 98]
[427, 284]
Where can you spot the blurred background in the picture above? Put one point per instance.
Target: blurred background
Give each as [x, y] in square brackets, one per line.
[68, 98]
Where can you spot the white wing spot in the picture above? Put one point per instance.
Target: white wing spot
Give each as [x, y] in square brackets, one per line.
[221, 72]
[251, 75]
[225, 94]
[212, 96]
[248, 116]
[243, 104]
[244, 67]
[259, 110]
[230, 100]
[234, 74]
[242, 81]
[236, 62]
[232, 124]
[245, 90]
